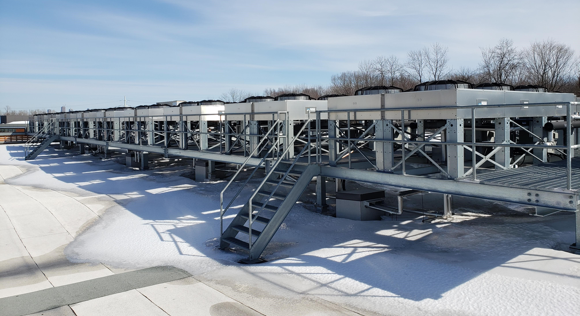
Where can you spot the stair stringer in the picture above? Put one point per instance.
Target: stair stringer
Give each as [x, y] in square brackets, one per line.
[283, 210]
[45, 143]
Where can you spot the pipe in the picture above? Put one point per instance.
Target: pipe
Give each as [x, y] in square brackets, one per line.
[560, 125]
[400, 211]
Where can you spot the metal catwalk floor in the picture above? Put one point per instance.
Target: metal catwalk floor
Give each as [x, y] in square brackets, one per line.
[548, 176]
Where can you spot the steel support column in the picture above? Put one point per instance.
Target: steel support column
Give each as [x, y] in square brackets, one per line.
[447, 206]
[577, 230]
[321, 191]
[116, 129]
[384, 150]
[289, 136]
[254, 135]
[183, 133]
[455, 153]
[502, 136]
[203, 136]
[332, 143]
[538, 129]
[150, 132]
[227, 137]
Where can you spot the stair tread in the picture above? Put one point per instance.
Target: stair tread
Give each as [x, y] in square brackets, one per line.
[237, 242]
[256, 218]
[275, 195]
[284, 183]
[244, 229]
[265, 206]
[291, 173]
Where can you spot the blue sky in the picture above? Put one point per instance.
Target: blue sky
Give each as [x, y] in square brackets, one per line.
[89, 54]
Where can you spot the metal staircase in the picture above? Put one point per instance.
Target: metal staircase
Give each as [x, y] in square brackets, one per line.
[39, 142]
[261, 216]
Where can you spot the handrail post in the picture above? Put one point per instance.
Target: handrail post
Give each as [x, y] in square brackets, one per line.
[309, 143]
[569, 145]
[403, 139]
[473, 153]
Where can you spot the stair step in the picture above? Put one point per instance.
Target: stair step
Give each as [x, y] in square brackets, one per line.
[246, 230]
[256, 218]
[274, 196]
[237, 242]
[283, 184]
[291, 173]
[265, 206]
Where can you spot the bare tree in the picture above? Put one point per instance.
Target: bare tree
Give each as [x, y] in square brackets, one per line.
[388, 69]
[436, 60]
[343, 83]
[234, 95]
[312, 91]
[549, 64]
[500, 63]
[404, 81]
[466, 74]
[416, 63]
[367, 74]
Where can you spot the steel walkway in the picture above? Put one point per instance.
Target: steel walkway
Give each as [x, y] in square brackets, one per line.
[547, 176]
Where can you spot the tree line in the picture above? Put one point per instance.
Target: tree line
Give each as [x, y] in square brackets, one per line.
[546, 63]
[9, 111]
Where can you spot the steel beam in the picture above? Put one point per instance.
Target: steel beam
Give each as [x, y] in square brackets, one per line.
[170, 151]
[564, 200]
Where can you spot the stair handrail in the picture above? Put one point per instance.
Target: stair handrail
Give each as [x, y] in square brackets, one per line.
[36, 136]
[272, 168]
[266, 136]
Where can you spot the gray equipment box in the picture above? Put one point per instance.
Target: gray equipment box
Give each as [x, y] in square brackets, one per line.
[350, 204]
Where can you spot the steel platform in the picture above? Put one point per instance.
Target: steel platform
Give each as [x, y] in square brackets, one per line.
[547, 176]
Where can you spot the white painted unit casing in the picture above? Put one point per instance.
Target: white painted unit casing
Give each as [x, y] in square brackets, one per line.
[95, 114]
[121, 112]
[202, 112]
[441, 98]
[262, 111]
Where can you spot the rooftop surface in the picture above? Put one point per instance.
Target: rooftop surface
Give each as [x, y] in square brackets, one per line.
[85, 236]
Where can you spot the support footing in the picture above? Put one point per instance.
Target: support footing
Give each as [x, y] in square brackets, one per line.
[252, 261]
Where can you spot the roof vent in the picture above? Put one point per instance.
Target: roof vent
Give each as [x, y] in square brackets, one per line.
[443, 85]
[259, 99]
[378, 90]
[293, 96]
[328, 96]
[531, 88]
[211, 102]
[494, 86]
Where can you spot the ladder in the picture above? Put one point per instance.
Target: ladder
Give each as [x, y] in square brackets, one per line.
[261, 216]
[39, 142]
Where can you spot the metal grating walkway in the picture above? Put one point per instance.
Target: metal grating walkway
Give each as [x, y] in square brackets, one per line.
[549, 176]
